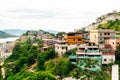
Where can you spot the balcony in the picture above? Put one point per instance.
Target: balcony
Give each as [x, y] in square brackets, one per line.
[73, 37]
[73, 57]
[88, 51]
[91, 56]
[61, 45]
[106, 36]
[92, 51]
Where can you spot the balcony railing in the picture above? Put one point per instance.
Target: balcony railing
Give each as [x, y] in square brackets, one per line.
[94, 57]
[89, 51]
[73, 37]
[92, 51]
[106, 36]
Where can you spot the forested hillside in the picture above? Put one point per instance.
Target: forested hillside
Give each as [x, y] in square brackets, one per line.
[5, 35]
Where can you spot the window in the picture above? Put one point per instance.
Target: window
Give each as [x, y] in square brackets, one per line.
[111, 60]
[113, 43]
[104, 33]
[79, 39]
[100, 38]
[94, 36]
[73, 39]
[94, 66]
[100, 34]
[117, 42]
[73, 60]
[108, 33]
[105, 59]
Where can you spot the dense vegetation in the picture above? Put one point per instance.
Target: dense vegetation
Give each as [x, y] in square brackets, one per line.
[60, 34]
[48, 66]
[110, 24]
[23, 57]
[5, 35]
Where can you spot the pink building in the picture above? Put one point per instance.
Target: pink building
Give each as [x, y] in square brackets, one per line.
[108, 55]
[111, 42]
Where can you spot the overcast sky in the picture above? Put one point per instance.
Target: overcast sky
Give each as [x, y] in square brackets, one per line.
[60, 15]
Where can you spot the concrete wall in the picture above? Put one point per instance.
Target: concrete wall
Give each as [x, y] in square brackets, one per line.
[72, 46]
[115, 72]
[61, 49]
[94, 36]
[109, 59]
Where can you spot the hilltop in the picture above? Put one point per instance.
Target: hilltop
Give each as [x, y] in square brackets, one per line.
[104, 19]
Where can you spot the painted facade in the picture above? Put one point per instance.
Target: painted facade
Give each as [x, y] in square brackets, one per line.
[111, 42]
[99, 36]
[88, 53]
[74, 38]
[108, 55]
[61, 47]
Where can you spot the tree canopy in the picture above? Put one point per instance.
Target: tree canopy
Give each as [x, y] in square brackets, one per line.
[110, 24]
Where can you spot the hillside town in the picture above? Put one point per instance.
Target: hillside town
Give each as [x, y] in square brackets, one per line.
[94, 46]
[97, 45]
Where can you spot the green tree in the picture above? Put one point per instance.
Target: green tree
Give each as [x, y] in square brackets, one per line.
[45, 56]
[60, 34]
[77, 73]
[110, 24]
[101, 75]
[49, 66]
[41, 76]
[20, 76]
[41, 61]
[70, 52]
[62, 67]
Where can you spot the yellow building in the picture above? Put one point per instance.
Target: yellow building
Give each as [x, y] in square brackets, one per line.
[99, 36]
[74, 38]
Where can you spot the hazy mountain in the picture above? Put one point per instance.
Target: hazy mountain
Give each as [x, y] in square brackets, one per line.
[5, 35]
[15, 31]
[52, 31]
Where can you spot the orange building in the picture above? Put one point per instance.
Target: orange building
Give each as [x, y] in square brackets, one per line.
[74, 38]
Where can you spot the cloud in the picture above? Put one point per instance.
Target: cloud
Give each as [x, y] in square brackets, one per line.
[30, 14]
[54, 14]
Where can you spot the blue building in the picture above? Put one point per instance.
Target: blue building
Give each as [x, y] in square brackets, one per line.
[87, 57]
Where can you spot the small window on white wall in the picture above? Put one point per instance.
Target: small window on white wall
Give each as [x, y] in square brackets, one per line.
[105, 59]
[111, 60]
[94, 36]
[113, 43]
[100, 34]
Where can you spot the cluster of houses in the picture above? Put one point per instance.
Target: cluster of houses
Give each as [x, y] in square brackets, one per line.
[97, 45]
[94, 44]
[7, 47]
[5, 51]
